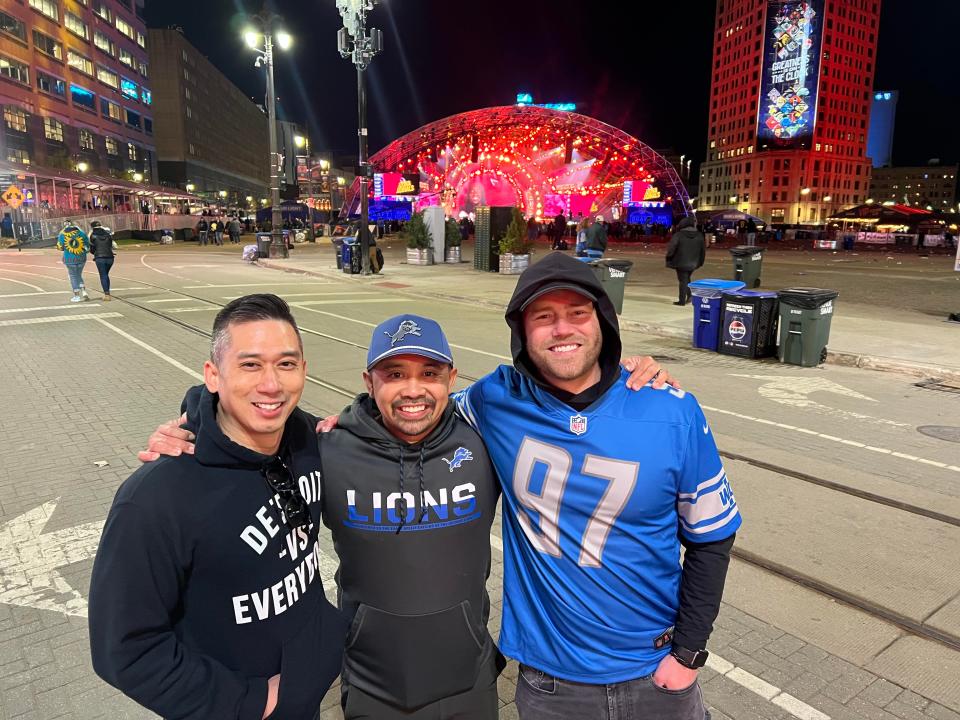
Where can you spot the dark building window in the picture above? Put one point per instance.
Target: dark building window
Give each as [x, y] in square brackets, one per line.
[83, 97]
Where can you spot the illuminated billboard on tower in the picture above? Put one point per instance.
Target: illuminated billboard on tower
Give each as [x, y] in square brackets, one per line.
[791, 73]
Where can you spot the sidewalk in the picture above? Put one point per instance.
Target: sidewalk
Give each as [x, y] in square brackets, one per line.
[864, 333]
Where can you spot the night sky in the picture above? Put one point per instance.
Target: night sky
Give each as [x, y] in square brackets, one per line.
[641, 66]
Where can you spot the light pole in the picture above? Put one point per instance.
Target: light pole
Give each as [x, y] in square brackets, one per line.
[355, 43]
[803, 194]
[265, 21]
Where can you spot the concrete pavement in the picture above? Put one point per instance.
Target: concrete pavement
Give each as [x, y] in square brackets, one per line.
[891, 313]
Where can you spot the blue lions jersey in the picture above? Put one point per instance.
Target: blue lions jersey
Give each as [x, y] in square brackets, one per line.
[593, 505]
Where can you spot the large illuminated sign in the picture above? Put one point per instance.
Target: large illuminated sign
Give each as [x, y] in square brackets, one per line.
[396, 184]
[636, 192]
[524, 99]
[791, 73]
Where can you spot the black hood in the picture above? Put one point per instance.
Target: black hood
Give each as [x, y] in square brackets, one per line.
[562, 269]
[687, 222]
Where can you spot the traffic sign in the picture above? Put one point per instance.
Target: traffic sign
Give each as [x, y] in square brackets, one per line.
[13, 197]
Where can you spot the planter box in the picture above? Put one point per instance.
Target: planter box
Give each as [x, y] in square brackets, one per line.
[511, 264]
[453, 255]
[419, 256]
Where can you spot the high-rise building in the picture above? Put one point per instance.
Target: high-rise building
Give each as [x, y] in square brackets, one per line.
[932, 185]
[790, 96]
[211, 138]
[75, 90]
[883, 115]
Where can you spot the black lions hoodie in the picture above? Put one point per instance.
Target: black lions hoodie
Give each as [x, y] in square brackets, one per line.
[199, 591]
[416, 580]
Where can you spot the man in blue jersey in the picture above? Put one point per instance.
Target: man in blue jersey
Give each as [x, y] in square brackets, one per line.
[601, 487]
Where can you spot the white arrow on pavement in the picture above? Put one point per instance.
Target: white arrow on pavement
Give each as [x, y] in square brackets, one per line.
[30, 558]
[794, 390]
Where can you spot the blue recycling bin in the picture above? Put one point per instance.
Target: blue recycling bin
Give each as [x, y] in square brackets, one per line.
[706, 310]
[350, 260]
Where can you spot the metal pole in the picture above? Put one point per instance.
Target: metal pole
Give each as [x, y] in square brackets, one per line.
[279, 247]
[364, 209]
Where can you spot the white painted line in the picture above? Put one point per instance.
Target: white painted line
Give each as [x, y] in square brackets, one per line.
[302, 306]
[24, 272]
[350, 301]
[143, 261]
[21, 282]
[34, 294]
[58, 318]
[170, 300]
[798, 708]
[207, 308]
[180, 366]
[338, 293]
[262, 284]
[841, 441]
[752, 683]
[75, 306]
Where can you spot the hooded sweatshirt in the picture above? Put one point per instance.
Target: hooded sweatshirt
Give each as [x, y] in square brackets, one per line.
[687, 248]
[597, 500]
[416, 581]
[200, 592]
[75, 245]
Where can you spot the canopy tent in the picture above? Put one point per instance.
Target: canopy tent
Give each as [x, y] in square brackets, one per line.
[730, 218]
[290, 210]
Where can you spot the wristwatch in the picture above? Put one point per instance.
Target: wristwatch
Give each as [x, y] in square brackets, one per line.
[692, 659]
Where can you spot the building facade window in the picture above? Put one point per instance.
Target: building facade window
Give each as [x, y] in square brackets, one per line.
[79, 62]
[82, 97]
[148, 126]
[15, 118]
[129, 89]
[124, 27]
[14, 70]
[100, 8]
[75, 25]
[104, 43]
[113, 148]
[127, 59]
[46, 7]
[133, 118]
[12, 26]
[51, 85]
[47, 45]
[141, 40]
[87, 141]
[108, 77]
[132, 151]
[53, 129]
[143, 68]
[110, 110]
[16, 155]
[146, 97]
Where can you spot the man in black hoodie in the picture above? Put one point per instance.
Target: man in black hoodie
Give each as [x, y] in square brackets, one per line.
[686, 252]
[205, 600]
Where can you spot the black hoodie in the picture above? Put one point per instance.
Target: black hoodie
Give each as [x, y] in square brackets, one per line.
[199, 592]
[416, 583]
[705, 565]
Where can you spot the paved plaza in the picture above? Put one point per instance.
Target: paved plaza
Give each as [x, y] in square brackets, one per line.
[843, 597]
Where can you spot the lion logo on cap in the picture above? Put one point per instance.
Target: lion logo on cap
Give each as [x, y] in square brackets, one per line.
[407, 327]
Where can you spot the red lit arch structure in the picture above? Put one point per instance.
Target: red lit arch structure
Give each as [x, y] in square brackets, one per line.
[542, 161]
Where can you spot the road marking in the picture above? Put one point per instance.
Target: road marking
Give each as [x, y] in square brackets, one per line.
[39, 275]
[771, 693]
[170, 300]
[143, 261]
[348, 301]
[21, 282]
[268, 284]
[149, 348]
[302, 306]
[313, 294]
[832, 438]
[75, 306]
[58, 318]
[207, 308]
[29, 559]
[42, 292]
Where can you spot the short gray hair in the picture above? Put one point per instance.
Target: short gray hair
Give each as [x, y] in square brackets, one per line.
[249, 308]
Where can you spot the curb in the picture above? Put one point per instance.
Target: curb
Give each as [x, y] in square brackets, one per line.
[841, 358]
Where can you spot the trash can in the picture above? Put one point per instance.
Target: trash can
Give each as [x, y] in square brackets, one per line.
[706, 310]
[263, 245]
[747, 262]
[805, 315]
[338, 248]
[748, 323]
[351, 262]
[612, 274]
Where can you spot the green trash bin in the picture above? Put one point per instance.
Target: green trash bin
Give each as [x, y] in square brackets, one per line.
[747, 263]
[612, 274]
[805, 315]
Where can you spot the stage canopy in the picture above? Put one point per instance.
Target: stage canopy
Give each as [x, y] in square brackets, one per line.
[543, 161]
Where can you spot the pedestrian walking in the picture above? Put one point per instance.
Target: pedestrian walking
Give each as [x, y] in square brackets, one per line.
[75, 245]
[233, 227]
[597, 238]
[203, 229]
[751, 232]
[686, 252]
[216, 227]
[103, 248]
[205, 597]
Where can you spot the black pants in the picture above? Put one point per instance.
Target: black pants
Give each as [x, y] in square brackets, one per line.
[103, 267]
[683, 280]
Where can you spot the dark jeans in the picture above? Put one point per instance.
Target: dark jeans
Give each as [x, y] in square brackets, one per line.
[103, 267]
[543, 697]
[683, 280]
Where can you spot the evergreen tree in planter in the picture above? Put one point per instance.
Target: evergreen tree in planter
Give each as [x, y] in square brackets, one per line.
[451, 241]
[514, 246]
[419, 241]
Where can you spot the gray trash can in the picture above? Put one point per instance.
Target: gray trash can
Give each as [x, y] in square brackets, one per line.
[747, 263]
[612, 274]
[805, 315]
[263, 245]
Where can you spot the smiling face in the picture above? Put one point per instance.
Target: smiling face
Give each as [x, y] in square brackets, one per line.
[259, 376]
[411, 393]
[563, 339]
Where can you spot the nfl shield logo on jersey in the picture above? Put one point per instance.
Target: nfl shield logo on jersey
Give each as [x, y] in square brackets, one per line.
[578, 424]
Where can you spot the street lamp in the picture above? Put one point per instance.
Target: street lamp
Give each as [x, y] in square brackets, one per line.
[138, 177]
[803, 194]
[82, 167]
[191, 187]
[355, 43]
[263, 33]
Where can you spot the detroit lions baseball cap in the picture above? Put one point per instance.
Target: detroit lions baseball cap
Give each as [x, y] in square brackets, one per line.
[408, 335]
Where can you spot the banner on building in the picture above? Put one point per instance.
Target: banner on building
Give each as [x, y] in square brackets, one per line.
[793, 42]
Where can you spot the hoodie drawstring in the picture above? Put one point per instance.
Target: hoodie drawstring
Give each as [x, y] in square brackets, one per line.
[423, 505]
[403, 498]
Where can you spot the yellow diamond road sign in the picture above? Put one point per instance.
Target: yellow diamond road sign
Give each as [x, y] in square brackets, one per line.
[13, 197]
